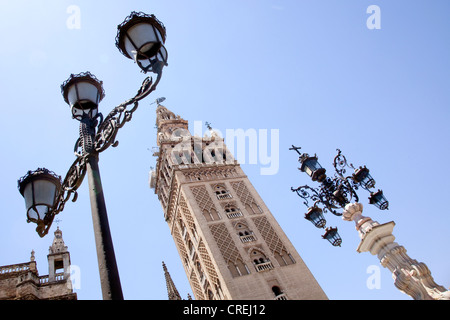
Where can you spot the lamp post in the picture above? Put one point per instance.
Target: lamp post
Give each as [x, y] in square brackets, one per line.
[334, 193]
[139, 37]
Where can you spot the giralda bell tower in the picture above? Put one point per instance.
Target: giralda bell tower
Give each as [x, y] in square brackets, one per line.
[229, 242]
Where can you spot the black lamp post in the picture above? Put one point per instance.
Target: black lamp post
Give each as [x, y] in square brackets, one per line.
[140, 37]
[334, 193]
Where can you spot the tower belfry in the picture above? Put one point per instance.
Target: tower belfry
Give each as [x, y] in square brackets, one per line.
[229, 242]
[58, 258]
[22, 281]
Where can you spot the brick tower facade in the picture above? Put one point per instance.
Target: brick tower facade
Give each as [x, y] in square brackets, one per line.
[229, 242]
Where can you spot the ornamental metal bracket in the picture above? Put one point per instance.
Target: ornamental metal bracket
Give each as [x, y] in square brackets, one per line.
[116, 119]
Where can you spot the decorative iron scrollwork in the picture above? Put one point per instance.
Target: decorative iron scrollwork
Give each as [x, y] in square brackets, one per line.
[116, 119]
[91, 143]
[335, 193]
[340, 162]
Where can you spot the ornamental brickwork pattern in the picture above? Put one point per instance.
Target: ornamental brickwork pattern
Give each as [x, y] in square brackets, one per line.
[269, 235]
[202, 198]
[225, 243]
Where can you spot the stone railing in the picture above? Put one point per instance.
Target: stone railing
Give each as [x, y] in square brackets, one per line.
[222, 196]
[281, 296]
[233, 215]
[45, 279]
[15, 268]
[247, 238]
[264, 266]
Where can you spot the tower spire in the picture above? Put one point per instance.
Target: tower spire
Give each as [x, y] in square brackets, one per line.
[171, 289]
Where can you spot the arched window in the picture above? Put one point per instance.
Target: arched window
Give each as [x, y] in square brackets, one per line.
[221, 192]
[284, 258]
[218, 289]
[238, 268]
[232, 211]
[182, 227]
[242, 268]
[260, 261]
[279, 294]
[258, 257]
[211, 215]
[191, 249]
[276, 290]
[215, 214]
[207, 215]
[253, 208]
[244, 233]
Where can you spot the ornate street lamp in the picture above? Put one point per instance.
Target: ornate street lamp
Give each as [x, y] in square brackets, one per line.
[316, 217]
[140, 37]
[312, 167]
[83, 92]
[378, 199]
[332, 236]
[363, 177]
[334, 193]
[40, 189]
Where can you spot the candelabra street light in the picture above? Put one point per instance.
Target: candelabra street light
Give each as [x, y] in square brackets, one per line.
[140, 37]
[334, 193]
[338, 196]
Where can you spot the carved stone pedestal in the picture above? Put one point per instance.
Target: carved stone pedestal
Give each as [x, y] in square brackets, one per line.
[410, 276]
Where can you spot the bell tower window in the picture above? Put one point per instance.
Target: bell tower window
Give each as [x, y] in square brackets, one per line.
[279, 295]
[221, 192]
[232, 212]
[260, 261]
[244, 233]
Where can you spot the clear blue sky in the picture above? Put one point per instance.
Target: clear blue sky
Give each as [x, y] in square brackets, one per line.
[310, 69]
